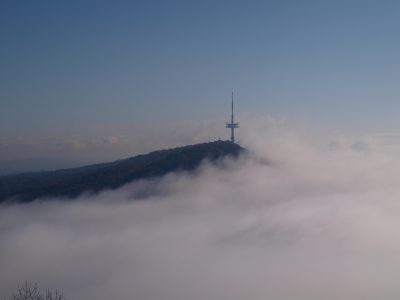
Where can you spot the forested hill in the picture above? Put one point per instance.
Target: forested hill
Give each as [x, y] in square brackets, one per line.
[70, 183]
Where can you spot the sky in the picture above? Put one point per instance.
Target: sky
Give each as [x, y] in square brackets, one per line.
[87, 72]
[310, 211]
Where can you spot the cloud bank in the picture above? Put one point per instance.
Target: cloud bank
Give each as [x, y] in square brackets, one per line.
[302, 216]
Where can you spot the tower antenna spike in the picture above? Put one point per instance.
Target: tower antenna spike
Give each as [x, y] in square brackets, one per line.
[232, 125]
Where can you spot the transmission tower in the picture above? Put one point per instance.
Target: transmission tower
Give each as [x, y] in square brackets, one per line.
[232, 125]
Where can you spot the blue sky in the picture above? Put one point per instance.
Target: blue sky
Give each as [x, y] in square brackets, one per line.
[71, 65]
[313, 214]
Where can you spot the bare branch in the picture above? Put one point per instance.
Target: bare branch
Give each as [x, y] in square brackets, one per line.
[57, 296]
[28, 292]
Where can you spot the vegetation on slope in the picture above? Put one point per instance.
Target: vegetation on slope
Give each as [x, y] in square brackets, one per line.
[70, 183]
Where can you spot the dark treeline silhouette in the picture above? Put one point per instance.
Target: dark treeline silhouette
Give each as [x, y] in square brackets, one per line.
[70, 183]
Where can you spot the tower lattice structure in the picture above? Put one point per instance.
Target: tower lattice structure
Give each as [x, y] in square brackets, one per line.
[232, 125]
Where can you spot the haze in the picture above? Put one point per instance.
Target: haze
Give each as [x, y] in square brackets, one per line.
[297, 217]
[311, 211]
[112, 80]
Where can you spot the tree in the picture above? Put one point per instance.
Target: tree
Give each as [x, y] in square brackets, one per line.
[28, 292]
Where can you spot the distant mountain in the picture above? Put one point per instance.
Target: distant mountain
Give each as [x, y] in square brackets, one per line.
[16, 166]
[70, 183]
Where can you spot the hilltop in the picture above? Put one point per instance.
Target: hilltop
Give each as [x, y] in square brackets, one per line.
[70, 183]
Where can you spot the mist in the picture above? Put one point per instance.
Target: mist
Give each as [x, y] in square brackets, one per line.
[302, 215]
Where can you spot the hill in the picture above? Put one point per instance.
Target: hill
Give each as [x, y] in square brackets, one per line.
[70, 183]
[17, 166]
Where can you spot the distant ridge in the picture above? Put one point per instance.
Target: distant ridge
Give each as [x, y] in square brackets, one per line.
[70, 183]
[37, 164]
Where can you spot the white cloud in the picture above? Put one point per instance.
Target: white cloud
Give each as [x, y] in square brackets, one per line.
[294, 219]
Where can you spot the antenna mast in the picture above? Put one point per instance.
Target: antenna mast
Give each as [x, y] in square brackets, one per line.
[232, 125]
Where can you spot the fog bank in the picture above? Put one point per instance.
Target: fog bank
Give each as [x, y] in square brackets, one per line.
[303, 215]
